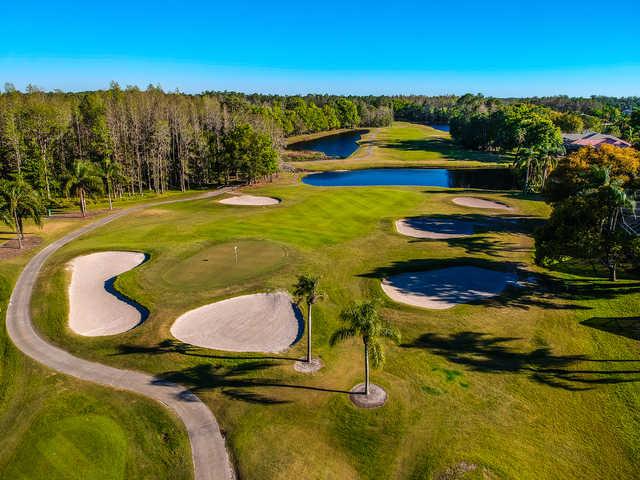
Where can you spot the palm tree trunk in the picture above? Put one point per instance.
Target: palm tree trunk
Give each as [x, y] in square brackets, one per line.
[309, 305]
[366, 368]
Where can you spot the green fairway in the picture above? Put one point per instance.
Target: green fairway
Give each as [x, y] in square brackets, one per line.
[57, 427]
[408, 145]
[524, 386]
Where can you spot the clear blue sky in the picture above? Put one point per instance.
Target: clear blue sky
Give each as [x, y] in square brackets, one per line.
[498, 47]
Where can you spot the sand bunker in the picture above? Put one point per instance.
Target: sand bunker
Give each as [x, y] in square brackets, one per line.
[264, 322]
[473, 202]
[250, 200]
[434, 228]
[445, 288]
[95, 308]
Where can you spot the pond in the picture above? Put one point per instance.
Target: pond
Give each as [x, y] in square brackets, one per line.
[441, 126]
[489, 178]
[340, 146]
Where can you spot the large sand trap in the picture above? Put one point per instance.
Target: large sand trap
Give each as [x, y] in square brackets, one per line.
[434, 228]
[264, 322]
[95, 309]
[473, 202]
[445, 288]
[250, 200]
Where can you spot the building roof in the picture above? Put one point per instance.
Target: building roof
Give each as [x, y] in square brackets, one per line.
[592, 139]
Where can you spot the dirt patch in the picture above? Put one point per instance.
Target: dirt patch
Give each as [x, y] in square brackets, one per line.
[457, 471]
[9, 249]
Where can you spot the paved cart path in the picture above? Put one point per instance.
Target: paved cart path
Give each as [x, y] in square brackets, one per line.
[208, 451]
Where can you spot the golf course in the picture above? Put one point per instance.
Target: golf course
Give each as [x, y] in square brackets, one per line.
[505, 369]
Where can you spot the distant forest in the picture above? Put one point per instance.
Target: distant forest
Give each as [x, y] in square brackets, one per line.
[151, 139]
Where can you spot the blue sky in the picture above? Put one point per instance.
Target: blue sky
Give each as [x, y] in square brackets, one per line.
[498, 47]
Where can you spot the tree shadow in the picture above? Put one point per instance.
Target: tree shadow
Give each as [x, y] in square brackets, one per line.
[483, 353]
[484, 244]
[445, 147]
[628, 327]
[459, 223]
[531, 289]
[175, 346]
[509, 193]
[234, 381]
[475, 231]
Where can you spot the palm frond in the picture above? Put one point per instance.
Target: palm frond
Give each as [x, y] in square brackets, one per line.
[392, 333]
[376, 353]
[342, 334]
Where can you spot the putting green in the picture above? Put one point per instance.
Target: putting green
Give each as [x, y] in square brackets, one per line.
[79, 447]
[216, 266]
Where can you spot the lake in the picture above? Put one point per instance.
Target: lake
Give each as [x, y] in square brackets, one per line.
[489, 179]
[340, 146]
[443, 127]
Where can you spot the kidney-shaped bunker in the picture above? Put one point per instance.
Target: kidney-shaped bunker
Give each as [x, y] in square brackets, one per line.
[264, 322]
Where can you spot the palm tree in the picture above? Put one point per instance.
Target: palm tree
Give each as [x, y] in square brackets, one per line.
[307, 289]
[19, 201]
[363, 320]
[610, 194]
[84, 180]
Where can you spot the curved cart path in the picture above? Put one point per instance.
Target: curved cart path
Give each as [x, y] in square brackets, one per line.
[210, 458]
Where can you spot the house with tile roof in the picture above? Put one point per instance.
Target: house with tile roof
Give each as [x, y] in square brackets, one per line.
[573, 141]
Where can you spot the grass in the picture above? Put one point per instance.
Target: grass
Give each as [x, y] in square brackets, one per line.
[57, 427]
[305, 137]
[408, 145]
[525, 386]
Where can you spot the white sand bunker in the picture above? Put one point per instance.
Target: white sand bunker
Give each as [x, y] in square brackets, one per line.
[473, 202]
[250, 200]
[434, 228]
[445, 288]
[264, 322]
[95, 308]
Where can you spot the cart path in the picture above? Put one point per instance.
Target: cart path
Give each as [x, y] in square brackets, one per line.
[208, 451]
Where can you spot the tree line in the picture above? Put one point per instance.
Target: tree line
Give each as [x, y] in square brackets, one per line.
[151, 139]
[524, 130]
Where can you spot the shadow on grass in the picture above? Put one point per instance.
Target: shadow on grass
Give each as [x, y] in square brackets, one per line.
[483, 353]
[238, 382]
[175, 346]
[535, 289]
[447, 148]
[628, 327]
[483, 226]
[509, 193]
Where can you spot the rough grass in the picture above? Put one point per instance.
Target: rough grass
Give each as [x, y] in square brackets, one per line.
[56, 427]
[526, 386]
[408, 145]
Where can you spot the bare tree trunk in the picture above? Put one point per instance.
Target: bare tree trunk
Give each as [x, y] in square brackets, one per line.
[109, 194]
[612, 273]
[83, 207]
[18, 229]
